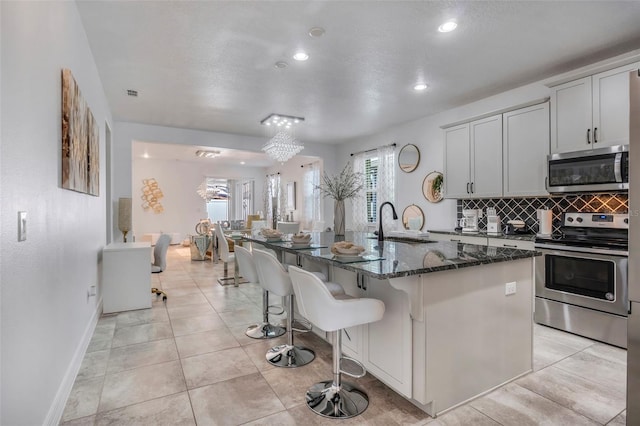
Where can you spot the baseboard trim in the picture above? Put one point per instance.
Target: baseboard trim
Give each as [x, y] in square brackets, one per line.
[60, 401]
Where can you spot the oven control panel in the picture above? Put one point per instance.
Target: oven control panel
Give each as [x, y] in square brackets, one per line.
[596, 220]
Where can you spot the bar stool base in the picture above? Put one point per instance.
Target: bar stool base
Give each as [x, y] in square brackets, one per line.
[335, 402]
[290, 356]
[264, 331]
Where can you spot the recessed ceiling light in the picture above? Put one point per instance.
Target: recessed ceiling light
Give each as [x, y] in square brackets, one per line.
[300, 56]
[145, 155]
[281, 64]
[316, 32]
[420, 87]
[242, 162]
[447, 26]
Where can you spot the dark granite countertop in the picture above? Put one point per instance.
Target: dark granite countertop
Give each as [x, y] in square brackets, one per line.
[521, 237]
[394, 258]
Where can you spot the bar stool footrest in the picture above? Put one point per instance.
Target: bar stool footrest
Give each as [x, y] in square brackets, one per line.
[301, 326]
[278, 310]
[358, 375]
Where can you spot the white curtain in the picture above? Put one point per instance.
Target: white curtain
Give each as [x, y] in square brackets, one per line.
[386, 184]
[312, 208]
[359, 203]
[272, 198]
[384, 187]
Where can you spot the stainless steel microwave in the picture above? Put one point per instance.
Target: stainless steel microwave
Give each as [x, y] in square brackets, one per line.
[596, 170]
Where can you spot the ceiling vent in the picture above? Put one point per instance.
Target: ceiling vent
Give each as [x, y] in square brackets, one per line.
[132, 92]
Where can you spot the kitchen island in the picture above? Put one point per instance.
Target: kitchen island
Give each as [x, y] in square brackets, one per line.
[450, 333]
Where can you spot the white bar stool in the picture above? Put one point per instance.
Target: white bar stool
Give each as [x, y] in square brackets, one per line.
[275, 279]
[264, 330]
[333, 398]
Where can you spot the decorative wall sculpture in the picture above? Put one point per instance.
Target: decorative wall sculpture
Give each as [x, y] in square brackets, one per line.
[151, 195]
[80, 141]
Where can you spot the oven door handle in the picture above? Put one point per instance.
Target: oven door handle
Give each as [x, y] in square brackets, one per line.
[617, 167]
[573, 249]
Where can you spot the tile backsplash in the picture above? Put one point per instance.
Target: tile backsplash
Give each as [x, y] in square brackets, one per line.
[525, 208]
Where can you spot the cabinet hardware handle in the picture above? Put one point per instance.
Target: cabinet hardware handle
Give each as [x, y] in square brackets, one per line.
[546, 183]
[454, 240]
[468, 188]
[472, 187]
[364, 284]
[358, 281]
[588, 135]
[510, 245]
[595, 135]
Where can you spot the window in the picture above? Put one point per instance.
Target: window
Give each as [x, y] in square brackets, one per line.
[371, 188]
[378, 169]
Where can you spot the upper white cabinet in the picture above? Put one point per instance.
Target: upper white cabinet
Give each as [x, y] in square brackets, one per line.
[591, 112]
[525, 148]
[473, 159]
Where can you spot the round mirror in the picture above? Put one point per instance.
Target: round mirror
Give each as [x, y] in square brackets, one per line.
[432, 187]
[409, 158]
[413, 218]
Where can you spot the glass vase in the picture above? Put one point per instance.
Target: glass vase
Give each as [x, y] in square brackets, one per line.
[338, 217]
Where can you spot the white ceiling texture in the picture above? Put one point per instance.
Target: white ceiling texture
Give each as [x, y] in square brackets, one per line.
[210, 65]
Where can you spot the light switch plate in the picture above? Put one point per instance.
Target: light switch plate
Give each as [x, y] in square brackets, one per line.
[510, 288]
[22, 226]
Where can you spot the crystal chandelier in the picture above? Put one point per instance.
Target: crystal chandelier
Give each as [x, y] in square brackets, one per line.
[283, 145]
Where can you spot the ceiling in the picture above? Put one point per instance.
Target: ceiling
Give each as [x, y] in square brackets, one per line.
[210, 65]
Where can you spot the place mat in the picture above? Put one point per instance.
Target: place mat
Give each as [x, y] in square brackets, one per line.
[352, 259]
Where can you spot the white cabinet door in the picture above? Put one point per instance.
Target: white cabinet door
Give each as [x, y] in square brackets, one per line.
[571, 116]
[387, 343]
[525, 149]
[456, 167]
[486, 157]
[611, 106]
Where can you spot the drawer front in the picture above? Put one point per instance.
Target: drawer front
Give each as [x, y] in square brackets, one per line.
[516, 244]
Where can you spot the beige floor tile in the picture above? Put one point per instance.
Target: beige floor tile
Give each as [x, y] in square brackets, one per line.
[141, 354]
[208, 341]
[386, 407]
[247, 315]
[94, 364]
[214, 367]
[515, 405]
[141, 333]
[182, 326]
[549, 350]
[99, 345]
[182, 291]
[188, 299]
[174, 410]
[609, 372]
[572, 340]
[291, 384]
[142, 316]
[186, 311]
[620, 420]
[141, 384]
[586, 397]
[83, 421]
[175, 284]
[84, 398]
[105, 330]
[282, 418]
[257, 350]
[234, 401]
[463, 416]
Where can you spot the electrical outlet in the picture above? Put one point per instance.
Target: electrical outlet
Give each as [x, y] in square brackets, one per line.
[92, 291]
[510, 288]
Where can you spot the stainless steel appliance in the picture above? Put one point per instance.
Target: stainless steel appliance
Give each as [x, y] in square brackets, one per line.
[581, 280]
[633, 353]
[493, 222]
[602, 169]
[469, 221]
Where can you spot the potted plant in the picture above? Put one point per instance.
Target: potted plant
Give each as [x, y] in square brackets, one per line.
[347, 184]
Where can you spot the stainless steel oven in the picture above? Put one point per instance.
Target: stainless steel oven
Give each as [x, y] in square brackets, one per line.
[581, 280]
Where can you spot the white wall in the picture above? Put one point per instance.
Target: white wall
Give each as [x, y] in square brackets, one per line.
[427, 135]
[125, 133]
[179, 180]
[46, 315]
